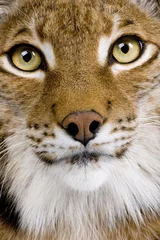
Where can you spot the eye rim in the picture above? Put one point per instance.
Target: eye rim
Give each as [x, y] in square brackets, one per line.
[142, 45]
[43, 64]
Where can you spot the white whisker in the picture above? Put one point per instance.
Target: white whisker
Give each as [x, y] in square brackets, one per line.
[12, 147]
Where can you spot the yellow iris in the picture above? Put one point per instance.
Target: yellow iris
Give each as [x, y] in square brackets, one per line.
[26, 58]
[126, 49]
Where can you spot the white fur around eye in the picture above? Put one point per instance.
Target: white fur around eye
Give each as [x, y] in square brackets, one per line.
[104, 44]
[106, 41]
[6, 65]
[148, 53]
[47, 49]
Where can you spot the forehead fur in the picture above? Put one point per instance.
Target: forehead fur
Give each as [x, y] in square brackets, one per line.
[151, 6]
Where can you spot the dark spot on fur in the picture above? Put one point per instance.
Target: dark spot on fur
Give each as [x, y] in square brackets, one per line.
[46, 125]
[53, 108]
[53, 135]
[38, 140]
[45, 134]
[84, 159]
[36, 126]
[46, 160]
[120, 120]
[32, 138]
[109, 105]
[157, 76]
[111, 156]
[105, 121]
[74, 159]
[129, 119]
[114, 130]
[42, 152]
[95, 158]
[120, 152]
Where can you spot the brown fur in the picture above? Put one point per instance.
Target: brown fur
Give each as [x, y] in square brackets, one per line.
[77, 76]
[148, 231]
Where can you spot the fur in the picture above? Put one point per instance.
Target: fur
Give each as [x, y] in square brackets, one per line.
[53, 187]
[151, 7]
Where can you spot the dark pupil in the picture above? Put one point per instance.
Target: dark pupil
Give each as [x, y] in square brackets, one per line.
[124, 47]
[27, 56]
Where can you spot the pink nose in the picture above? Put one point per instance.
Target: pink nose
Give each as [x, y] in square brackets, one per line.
[82, 126]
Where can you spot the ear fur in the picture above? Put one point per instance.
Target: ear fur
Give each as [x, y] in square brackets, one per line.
[5, 7]
[152, 7]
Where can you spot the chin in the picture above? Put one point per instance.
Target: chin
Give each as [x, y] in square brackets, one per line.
[85, 177]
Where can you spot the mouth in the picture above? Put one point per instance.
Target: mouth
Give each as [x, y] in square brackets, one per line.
[81, 159]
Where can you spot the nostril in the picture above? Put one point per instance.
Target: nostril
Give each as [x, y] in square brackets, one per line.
[94, 126]
[72, 129]
[82, 126]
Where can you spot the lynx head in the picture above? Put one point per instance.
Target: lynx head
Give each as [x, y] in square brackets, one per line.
[80, 109]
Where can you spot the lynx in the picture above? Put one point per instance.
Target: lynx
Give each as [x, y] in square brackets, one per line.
[79, 120]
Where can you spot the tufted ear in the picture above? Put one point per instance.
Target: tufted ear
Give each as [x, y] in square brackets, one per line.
[152, 7]
[5, 7]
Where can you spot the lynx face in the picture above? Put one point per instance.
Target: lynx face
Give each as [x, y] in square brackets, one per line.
[80, 111]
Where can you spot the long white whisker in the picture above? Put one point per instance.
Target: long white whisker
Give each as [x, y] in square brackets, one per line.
[23, 13]
[150, 117]
[150, 124]
[12, 147]
[10, 137]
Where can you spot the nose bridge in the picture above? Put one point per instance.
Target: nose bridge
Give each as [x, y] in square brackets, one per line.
[79, 103]
[80, 94]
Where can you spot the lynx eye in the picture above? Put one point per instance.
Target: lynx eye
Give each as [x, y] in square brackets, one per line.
[127, 49]
[26, 58]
